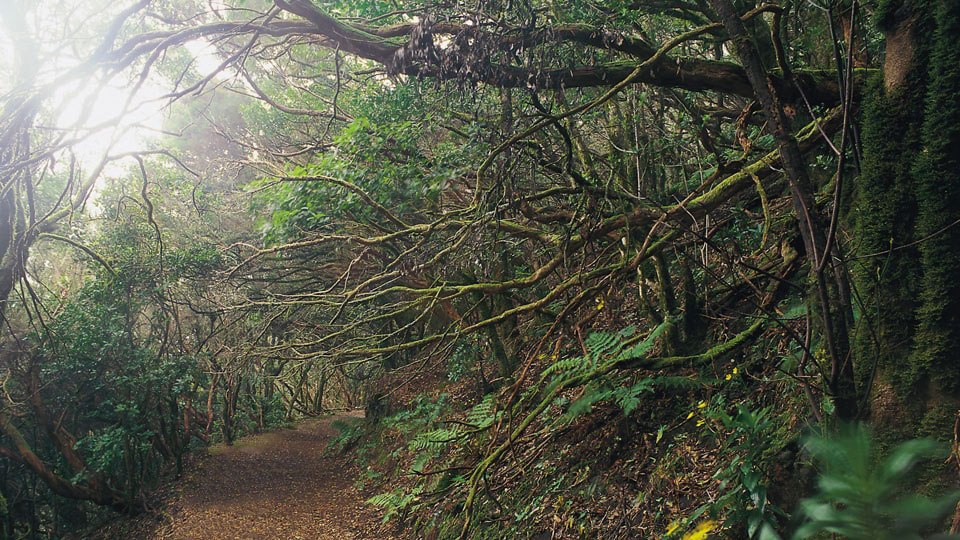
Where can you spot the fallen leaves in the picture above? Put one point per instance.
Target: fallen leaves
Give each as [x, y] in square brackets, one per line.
[277, 485]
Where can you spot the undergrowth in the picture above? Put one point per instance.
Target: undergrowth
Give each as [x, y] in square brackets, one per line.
[709, 452]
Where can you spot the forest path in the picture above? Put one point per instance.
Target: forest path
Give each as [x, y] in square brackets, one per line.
[276, 485]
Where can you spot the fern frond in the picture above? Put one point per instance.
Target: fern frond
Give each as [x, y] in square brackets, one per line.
[641, 349]
[394, 501]
[566, 366]
[481, 415]
[584, 404]
[437, 439]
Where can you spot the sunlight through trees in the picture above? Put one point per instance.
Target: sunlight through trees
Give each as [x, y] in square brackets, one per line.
[591, 269]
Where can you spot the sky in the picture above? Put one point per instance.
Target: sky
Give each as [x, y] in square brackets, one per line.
[99, 113]
[125, 130]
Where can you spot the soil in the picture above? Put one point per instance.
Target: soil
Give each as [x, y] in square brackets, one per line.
[276, 485]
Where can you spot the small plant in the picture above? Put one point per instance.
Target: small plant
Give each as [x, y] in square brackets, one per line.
[861, 498]
[348, 433]
[749, 438]
[395, 503]
[423, 412]
[754, 434]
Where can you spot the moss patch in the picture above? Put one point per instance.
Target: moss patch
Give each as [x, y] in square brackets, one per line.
[908, 195]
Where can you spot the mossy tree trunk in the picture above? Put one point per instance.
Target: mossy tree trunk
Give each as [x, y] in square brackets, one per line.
[908, 205]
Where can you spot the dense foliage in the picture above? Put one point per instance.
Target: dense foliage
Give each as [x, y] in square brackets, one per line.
[592, 269]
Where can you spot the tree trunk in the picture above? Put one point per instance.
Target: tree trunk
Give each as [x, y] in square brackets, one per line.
[908, 203]
[829, 280]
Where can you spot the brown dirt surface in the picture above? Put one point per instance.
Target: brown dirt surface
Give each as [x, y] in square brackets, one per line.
[276, 485]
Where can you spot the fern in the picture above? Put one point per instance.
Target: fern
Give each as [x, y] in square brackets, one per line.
[627, 397]
[568, 366]
[348, 433]
[482, 414]
[420, 461]
[600, 343]
[604, 351]
[435, 440]
[394, 502]
[641, 349]
[584, 404]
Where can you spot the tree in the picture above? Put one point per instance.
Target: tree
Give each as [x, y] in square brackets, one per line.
[432, 182]
[906, 206]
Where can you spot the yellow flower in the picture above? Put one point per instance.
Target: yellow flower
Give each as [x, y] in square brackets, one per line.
[734, 371]
[689, 416]
[728, 377]
[701, 405]
[600, 306]
[701, 422]
[702, 531]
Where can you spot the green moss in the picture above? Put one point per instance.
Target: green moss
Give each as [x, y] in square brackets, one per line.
[937, 422]
[908, 195]
[885, 216]
[937, 173]
[937, 476]
[885, 14]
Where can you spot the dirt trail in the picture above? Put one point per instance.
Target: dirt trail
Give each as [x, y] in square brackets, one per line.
[276, 485]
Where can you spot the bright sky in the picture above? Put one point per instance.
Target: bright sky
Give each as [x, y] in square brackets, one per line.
[100, 114]
[115, 123]
[123, 127]
[119, 130]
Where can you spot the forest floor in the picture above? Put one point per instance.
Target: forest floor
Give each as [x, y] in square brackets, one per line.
[276, 485]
